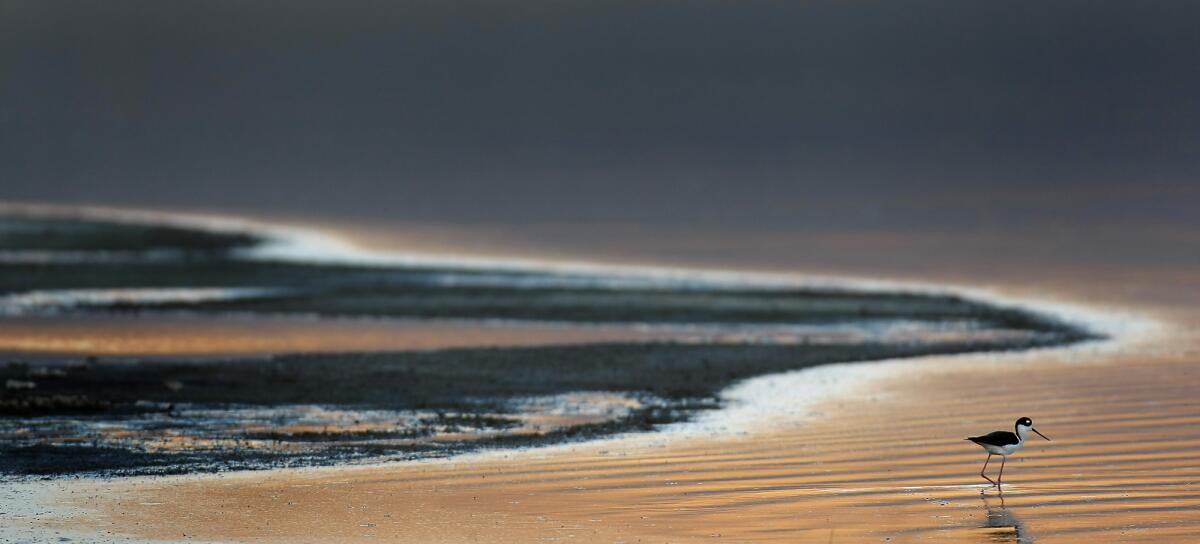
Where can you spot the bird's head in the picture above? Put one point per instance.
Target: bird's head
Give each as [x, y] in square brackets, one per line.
[1024, 425]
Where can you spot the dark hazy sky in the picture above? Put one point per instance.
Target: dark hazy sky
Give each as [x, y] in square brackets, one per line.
[781, 113]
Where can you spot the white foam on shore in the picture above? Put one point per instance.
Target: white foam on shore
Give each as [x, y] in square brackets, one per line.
[771, 401]
[55, 300]
[767, 402]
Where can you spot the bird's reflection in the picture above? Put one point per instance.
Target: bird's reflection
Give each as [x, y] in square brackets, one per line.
[1002, 525]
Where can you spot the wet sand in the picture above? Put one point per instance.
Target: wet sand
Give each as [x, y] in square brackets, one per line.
[881, 459]
[828, 477]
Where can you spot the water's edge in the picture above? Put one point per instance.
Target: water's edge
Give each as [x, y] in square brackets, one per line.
[167, 415]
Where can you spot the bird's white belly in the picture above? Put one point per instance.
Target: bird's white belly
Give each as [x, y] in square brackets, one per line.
[1002, 450]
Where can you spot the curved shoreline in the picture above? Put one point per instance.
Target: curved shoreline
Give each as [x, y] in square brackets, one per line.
[64, 511]
[644, 371]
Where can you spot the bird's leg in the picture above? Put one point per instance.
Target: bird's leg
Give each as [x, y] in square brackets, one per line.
[1001, 477]
[984, 469]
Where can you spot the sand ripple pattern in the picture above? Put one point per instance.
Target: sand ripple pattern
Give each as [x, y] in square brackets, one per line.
[889, 466]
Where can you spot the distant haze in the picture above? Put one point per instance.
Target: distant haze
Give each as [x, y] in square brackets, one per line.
[778, 114]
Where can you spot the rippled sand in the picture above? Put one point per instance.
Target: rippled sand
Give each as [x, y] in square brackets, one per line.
[889, 464]
[884, 460]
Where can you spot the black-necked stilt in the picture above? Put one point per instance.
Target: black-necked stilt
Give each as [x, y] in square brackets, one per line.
[1003, 443]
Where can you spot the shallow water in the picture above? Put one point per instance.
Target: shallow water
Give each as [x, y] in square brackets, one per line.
[881, 460]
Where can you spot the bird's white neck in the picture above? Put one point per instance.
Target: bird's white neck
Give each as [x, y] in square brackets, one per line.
[1022, 432]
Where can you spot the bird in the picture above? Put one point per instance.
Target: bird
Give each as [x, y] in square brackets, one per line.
[1004, 443]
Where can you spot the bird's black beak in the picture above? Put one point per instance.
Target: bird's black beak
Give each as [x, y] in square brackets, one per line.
[1040, 434]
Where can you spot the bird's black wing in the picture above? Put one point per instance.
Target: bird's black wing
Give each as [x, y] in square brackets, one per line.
[998, 438]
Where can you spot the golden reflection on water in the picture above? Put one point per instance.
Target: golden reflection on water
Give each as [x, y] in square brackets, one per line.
[224, 335]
